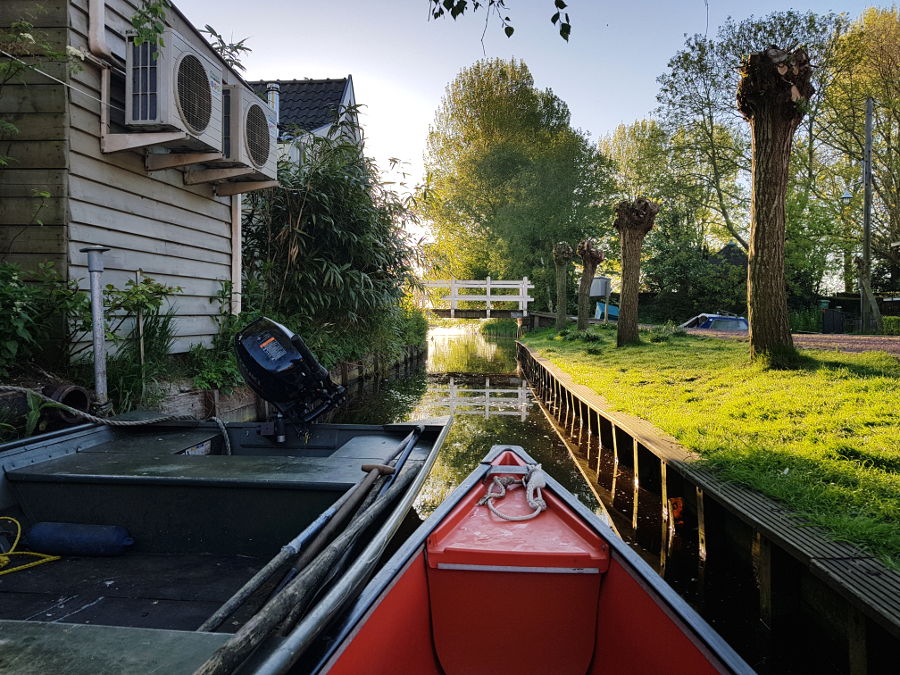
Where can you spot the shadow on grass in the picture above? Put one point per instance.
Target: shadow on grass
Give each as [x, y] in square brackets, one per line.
[884, 365]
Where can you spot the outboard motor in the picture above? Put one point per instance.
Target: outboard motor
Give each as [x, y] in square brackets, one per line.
[278, 366]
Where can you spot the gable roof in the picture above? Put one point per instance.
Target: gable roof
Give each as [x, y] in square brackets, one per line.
[732, 254]
[308, 104]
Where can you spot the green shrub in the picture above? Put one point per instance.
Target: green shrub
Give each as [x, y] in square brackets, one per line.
[17, 317]
[891, 325]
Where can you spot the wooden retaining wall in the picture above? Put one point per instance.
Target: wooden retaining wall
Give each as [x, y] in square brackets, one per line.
[816, 605]
[243, 405]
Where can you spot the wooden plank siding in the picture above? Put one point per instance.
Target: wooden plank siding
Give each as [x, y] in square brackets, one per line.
[155, 225]
[177, 234]
[32, 228]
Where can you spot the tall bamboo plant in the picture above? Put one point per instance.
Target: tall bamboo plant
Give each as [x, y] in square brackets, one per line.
[328, 246]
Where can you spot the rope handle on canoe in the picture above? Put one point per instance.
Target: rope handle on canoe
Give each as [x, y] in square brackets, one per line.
[533, 482]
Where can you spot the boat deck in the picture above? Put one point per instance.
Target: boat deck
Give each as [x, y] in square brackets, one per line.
[140, 591]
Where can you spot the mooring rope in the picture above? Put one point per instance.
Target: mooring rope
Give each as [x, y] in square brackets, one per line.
[534, 482]
[94, 418]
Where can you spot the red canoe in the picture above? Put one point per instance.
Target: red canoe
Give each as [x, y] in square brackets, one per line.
[501, 585]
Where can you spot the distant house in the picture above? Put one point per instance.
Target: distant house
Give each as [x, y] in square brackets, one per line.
[730, 254]
[145, 150]
[310, 106]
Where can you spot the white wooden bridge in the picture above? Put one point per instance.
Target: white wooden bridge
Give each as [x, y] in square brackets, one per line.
[486, 402]
[495, 291]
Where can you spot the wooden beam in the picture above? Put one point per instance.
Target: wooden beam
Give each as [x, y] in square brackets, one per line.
[226, 189]
[210, 175]
[119, 142]
[170, 160]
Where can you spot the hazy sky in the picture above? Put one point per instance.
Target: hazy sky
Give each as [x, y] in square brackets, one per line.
[401, 62]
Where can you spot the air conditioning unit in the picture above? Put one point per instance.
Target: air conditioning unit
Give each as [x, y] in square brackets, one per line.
[174, 87]
[249, 134]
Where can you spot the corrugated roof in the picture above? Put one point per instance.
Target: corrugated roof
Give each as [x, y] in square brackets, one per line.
[308, 104]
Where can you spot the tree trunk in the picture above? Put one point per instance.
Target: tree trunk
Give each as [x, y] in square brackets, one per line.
[865, 285]
[590, 258]
[772, 92]
[633, 221]
[562, 254]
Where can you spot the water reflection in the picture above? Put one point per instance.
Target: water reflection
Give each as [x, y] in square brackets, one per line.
[469, 357]
[464, 350]
[483, 396]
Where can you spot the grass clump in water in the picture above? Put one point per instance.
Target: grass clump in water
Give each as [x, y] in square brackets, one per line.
[823, 437]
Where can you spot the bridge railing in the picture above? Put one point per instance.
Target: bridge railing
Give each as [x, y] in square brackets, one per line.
[456, 285]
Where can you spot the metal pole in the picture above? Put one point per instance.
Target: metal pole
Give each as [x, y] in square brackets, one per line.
[867, 210]
[95, 267]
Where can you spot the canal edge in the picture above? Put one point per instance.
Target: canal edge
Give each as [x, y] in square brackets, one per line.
[868, 619]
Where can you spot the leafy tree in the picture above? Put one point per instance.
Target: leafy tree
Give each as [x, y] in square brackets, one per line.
[866, 65]
[508, 177]
[678, 266]
[697, 101]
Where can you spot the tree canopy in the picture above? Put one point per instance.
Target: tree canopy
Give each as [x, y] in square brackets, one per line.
[508, 176]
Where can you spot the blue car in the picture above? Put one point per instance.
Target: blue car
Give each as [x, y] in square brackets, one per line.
[717, 322]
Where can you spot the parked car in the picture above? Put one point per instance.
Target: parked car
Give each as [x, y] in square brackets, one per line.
[717, 322]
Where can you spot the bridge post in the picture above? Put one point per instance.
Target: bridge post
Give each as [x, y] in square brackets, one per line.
[487, 294]
[452, 298]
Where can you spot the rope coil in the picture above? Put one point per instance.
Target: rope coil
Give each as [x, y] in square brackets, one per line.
[533, 482]
[6, 558]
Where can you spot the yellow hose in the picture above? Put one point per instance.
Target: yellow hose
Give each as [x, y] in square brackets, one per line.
[6, 558]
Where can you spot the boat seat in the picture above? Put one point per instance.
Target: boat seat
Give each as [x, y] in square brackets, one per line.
[32, 647]
[177, 442]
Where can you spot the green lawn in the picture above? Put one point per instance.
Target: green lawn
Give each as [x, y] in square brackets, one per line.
[825, 439]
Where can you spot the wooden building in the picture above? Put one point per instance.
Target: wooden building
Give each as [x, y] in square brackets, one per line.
[165, 198]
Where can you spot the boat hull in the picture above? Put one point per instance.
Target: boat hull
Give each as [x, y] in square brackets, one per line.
[577, 601]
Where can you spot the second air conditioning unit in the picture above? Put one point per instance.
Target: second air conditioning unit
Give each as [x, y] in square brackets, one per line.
[173, 86]
[250, 134]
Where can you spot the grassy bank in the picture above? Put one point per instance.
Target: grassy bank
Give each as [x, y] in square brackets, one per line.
[825, 439]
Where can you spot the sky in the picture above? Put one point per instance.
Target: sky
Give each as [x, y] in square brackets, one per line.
[401, 61]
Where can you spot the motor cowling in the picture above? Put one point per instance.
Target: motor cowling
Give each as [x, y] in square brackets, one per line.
[276, 363]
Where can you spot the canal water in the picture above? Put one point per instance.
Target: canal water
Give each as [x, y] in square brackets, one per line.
[474, 377]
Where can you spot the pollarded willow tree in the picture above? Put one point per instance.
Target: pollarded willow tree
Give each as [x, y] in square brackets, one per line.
[562, 254]
[508, 177]
[591, 256]
[634, 219]
[711, 145]
[772, 92]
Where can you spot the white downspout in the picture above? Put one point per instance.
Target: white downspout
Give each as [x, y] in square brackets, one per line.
[97, 29]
